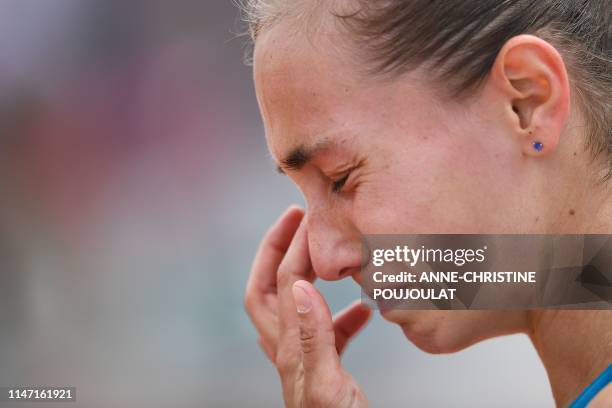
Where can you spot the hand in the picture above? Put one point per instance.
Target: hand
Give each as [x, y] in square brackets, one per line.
[295, 326]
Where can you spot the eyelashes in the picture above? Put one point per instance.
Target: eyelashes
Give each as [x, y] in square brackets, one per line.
[338, 184]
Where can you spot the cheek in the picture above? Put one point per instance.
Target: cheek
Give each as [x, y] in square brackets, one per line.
[417, 193]
[440, 188]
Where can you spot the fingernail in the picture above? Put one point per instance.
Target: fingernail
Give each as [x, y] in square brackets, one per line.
[301, 298]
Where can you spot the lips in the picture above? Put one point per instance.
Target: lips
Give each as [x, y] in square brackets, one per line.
[383, 305]
[388, 304]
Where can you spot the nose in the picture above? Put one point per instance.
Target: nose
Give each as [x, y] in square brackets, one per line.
[335, 248]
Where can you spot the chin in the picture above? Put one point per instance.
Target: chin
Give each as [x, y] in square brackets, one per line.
[431, 331]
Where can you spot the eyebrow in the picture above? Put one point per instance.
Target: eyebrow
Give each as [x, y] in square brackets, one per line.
[299, 156]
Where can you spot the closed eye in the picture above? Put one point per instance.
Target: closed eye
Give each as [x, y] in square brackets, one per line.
[338, 184]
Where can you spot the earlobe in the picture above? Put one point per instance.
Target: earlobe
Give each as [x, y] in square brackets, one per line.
[532, 77]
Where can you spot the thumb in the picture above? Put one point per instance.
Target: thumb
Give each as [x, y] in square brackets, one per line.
[319, 355]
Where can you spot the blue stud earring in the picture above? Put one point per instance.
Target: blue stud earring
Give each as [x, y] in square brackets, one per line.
[538, 146]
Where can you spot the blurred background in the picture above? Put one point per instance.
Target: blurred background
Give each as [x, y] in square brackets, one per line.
[134, 188]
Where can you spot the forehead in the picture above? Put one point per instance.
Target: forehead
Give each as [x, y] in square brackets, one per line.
[303, 85]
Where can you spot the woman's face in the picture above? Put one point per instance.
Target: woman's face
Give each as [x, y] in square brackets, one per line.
[389, 157]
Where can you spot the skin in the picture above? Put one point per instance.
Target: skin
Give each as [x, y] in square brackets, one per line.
[416, 163]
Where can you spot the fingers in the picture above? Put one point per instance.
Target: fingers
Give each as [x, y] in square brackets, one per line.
[260, 297]
[316, 333]
[348, 322]
[295, 266]
[272, 249]
[321, 379]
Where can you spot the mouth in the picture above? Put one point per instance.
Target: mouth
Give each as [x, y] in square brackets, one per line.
[385, 307]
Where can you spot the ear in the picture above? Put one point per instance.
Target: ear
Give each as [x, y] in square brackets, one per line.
[531, 76]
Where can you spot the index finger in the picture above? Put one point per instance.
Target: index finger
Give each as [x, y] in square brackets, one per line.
[295, 266]
[260, 296]
[272, 249]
